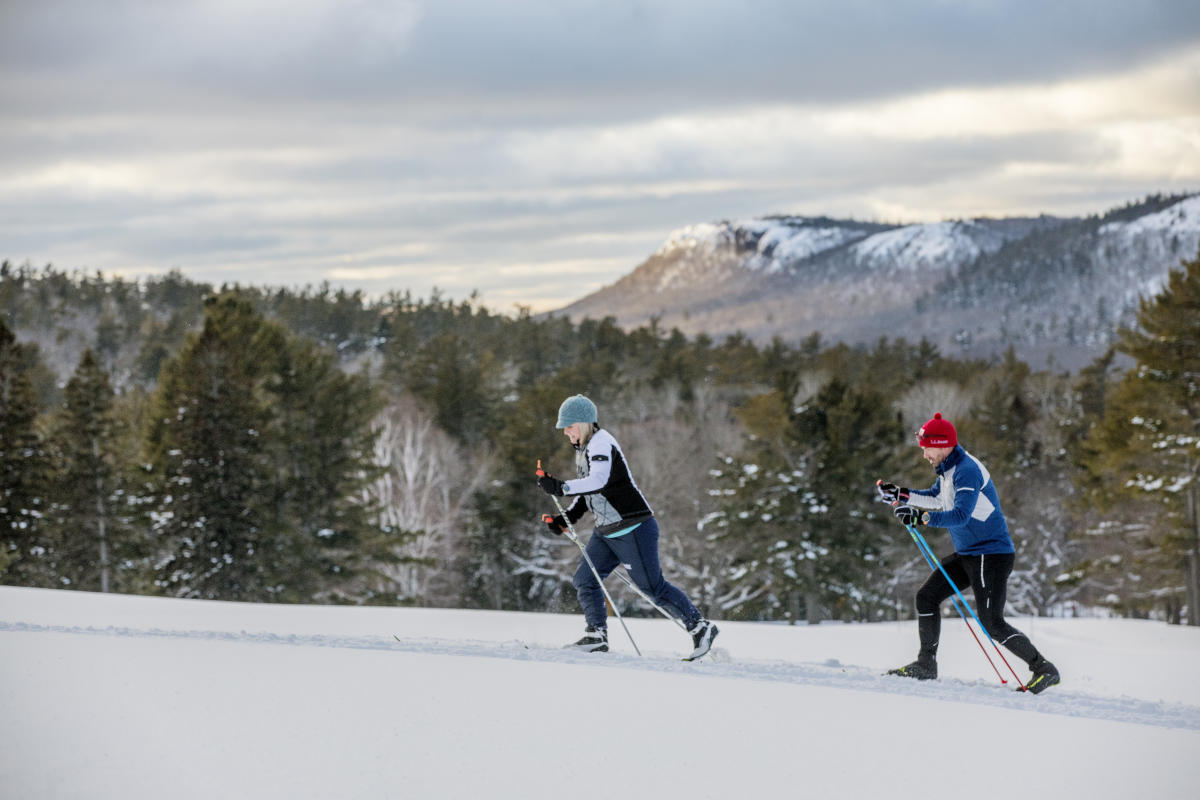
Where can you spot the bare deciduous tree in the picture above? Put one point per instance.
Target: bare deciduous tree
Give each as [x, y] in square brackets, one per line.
[923, 399]
[425, 491]
[673, 445]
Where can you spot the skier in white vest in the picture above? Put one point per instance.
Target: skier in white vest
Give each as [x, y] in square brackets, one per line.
[626, 532]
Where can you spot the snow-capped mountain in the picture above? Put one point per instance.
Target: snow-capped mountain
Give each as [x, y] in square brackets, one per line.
[940, 245]
[1053, 288]
[762, 246]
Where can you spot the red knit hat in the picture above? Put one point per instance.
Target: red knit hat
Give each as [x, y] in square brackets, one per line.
[937, 432]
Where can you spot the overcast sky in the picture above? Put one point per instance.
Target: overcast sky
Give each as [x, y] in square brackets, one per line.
[537, 150]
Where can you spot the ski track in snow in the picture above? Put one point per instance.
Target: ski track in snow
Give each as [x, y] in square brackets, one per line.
[719, 664]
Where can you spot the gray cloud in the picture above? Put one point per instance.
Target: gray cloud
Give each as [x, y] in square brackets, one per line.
[545, 53]
[470, 144]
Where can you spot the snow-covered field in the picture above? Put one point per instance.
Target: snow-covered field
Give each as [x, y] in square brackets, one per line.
[107, 696]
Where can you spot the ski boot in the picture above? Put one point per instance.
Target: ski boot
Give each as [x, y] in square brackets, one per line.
[1045, 675]
[595, 640]
[703, 633]
[921, 670]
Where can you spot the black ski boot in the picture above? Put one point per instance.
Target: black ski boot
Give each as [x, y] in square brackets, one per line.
[923, 669]
[703, 633]
[595, 640]
[1044, 676]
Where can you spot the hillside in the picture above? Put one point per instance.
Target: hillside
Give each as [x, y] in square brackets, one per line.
[109, 696]
[1055, 289]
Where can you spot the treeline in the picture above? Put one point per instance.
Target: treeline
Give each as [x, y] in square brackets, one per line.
[313, 446]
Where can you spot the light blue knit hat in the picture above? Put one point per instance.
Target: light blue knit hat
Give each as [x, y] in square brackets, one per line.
[576, 408]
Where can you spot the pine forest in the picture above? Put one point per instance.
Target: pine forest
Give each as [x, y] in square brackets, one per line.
[316, 446]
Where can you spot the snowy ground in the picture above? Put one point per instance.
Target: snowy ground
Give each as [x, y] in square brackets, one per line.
[125, 697]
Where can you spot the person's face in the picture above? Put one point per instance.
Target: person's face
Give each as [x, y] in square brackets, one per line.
[935, 455]
[574, 432]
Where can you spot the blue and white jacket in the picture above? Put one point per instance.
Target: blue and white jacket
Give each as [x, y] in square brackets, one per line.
[964, 500]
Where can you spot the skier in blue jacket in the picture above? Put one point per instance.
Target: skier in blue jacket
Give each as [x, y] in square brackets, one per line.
[963, 499]
[626, 532]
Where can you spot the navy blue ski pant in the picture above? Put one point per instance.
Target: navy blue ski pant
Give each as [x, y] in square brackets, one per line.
[637, 551]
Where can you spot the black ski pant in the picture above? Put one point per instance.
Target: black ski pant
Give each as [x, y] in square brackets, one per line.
[987, 575]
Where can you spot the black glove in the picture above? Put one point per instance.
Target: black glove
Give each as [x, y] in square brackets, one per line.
[911, 516]
[892, 494]
[556, 524]
[550, 484]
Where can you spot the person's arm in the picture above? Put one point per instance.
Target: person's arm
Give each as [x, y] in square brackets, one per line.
[599, 470]
[926, 499]
[576, 510]
[968, 483]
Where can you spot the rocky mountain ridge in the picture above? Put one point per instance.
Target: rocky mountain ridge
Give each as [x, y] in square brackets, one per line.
[1056, 289]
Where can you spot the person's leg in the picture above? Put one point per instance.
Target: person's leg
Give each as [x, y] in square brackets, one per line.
[638, 551]
[930, 597]
[989, 579]
[587, 589]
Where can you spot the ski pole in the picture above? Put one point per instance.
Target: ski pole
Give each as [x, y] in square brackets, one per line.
[921, 543]
[575, 538]
[930, 559]
[625, 579]
[646, 597]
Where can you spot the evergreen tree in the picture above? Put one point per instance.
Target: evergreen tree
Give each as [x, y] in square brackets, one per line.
[321, 443]
[510, 561]
[1018, 426]
[263, 449]
[212, 463]
[800, 521]
[279, 457]
[1096, 574]
[998, 426]
[453, 374]
[92, 535]
[24, 471]
[1145, 453]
